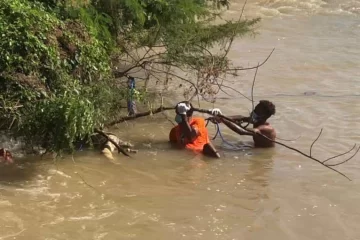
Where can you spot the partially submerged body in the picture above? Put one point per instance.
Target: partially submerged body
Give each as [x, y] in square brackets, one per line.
[191, 132]
[199, 143]
[260, 128]
[267, 130]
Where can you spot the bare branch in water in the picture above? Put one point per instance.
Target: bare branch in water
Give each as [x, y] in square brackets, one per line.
[329, 166]
[137, 115]
[315, 141]
[336, 164]
[85, 182]
[288, 140]
[341, 154]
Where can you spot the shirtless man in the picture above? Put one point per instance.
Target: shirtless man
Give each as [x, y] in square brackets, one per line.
[191, 132]
[263, 110]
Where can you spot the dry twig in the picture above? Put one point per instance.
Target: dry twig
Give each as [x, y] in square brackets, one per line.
[249, 68]
[234, 34]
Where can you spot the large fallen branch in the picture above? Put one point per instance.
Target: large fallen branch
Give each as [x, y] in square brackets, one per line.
[322, 162]
[137, 115]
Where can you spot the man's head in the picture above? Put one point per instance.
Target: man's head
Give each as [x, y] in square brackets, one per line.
[189, 113]
[263, 110]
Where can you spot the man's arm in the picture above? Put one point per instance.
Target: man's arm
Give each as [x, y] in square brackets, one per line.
[239, 118]
[236, 118]
[189, 132]
[236, 128]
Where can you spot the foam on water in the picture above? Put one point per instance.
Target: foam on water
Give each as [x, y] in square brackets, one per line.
[9, 142]
[350, 7]
[283, 8]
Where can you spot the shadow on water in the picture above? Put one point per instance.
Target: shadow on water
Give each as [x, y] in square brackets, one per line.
[259, 162]
[260, 166]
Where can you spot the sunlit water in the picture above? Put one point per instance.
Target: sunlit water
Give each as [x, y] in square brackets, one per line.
[312, 77]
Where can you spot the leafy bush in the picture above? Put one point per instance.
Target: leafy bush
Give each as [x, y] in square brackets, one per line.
[57, 70]
[56, 79]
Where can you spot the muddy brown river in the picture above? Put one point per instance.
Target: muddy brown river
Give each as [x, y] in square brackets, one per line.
[313, 78]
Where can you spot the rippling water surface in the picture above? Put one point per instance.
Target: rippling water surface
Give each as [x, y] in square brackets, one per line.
[312, 77]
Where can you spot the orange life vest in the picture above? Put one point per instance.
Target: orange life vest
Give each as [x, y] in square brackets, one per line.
[198, 142]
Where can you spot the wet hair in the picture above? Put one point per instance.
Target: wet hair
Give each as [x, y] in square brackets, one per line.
[190, 112]
[267, 106]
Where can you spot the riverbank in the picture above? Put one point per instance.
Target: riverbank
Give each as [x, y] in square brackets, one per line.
[60, 61]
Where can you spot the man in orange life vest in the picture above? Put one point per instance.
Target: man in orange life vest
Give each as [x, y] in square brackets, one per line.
[191, 132]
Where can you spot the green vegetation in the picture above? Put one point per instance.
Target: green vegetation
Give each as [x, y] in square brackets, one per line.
[57, 58]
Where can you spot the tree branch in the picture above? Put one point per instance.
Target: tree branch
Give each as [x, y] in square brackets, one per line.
[249, 68]
[161, 109]
[177, 76]
[336, 164]
[137, 115]
[315, 141]
[233, 89]
[341, 154]
[329, 166]
[252, 87]
[234, 34]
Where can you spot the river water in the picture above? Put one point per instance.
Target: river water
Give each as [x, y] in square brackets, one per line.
[312, 77]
